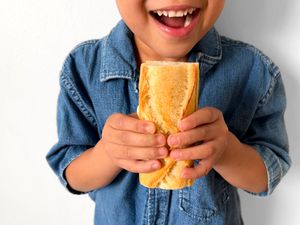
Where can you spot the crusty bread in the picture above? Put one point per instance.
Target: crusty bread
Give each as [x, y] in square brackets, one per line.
[168, 93]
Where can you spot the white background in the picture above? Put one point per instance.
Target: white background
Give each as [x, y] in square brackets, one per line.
[35, 37]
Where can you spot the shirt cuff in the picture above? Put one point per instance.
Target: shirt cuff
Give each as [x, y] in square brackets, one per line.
[274, 167]
[72, 152]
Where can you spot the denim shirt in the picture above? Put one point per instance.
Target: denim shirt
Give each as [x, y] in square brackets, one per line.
[100, 77]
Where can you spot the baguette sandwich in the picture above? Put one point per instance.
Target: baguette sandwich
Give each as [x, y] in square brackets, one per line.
[168, 93]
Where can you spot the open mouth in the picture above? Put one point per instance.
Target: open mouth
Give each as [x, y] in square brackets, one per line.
[175, 18]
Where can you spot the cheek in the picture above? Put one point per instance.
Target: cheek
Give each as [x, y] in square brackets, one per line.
[136, 23]
[132, 13]
[212, 12]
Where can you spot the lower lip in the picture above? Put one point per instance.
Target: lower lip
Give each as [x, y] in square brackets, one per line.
[178, 32]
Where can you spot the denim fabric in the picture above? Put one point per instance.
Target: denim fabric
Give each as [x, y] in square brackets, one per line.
[100, 77]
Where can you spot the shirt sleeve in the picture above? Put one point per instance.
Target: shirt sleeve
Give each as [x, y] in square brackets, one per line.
[267, 134]
[76, 125]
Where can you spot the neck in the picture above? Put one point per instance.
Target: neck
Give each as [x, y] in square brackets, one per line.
[144, 53]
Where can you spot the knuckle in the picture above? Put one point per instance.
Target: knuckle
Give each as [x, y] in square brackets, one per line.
[204, 133]
[191, 141]
[152, 154]
[127, 152]
[211, 114]
[116, 119]
[190, 122]
[120, 120]
[211, 149]
[186, 139]
[145, 139]
[121, 137]
[194, 121]
[216, 111]
[157, 140]
[138, 126]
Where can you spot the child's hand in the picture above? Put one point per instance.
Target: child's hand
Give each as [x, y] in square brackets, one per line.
[132, 144]
[206, 132]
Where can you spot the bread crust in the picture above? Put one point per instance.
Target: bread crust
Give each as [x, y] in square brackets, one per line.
[168, 92]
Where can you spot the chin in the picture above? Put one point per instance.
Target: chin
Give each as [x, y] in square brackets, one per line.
[176, 49]
[177, 54]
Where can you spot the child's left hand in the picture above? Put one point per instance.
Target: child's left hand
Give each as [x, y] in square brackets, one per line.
[206, 132]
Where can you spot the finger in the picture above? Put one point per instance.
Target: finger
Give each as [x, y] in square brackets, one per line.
[129, 138]
[190, 137]
[201, 151]
[123, 122]
[202, 169]
[139, 166]
[202, 116]
[128, 152]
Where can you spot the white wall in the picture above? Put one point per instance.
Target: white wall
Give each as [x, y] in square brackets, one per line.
[35, 38]
[274, 27]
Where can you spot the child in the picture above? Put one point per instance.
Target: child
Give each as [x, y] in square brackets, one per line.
[237, 137]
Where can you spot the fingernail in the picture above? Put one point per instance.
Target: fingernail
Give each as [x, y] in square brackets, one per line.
[174, 141]
[155, 166]
[162, 151]
[149, 128]
[160, 140]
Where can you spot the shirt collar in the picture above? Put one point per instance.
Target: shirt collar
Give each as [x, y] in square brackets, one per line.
[118, 56]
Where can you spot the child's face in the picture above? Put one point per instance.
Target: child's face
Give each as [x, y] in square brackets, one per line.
[168, 29]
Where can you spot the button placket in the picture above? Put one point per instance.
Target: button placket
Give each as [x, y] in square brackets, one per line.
[162, 201]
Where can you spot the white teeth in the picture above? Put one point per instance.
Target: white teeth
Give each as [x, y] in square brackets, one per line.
[173, 13]
[159, 13]
[188, 20]
[191, 10]
[179, 14]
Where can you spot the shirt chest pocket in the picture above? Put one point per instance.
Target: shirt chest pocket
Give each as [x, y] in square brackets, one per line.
[205, 201]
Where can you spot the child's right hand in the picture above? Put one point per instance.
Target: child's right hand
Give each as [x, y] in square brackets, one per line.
[132, 144]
